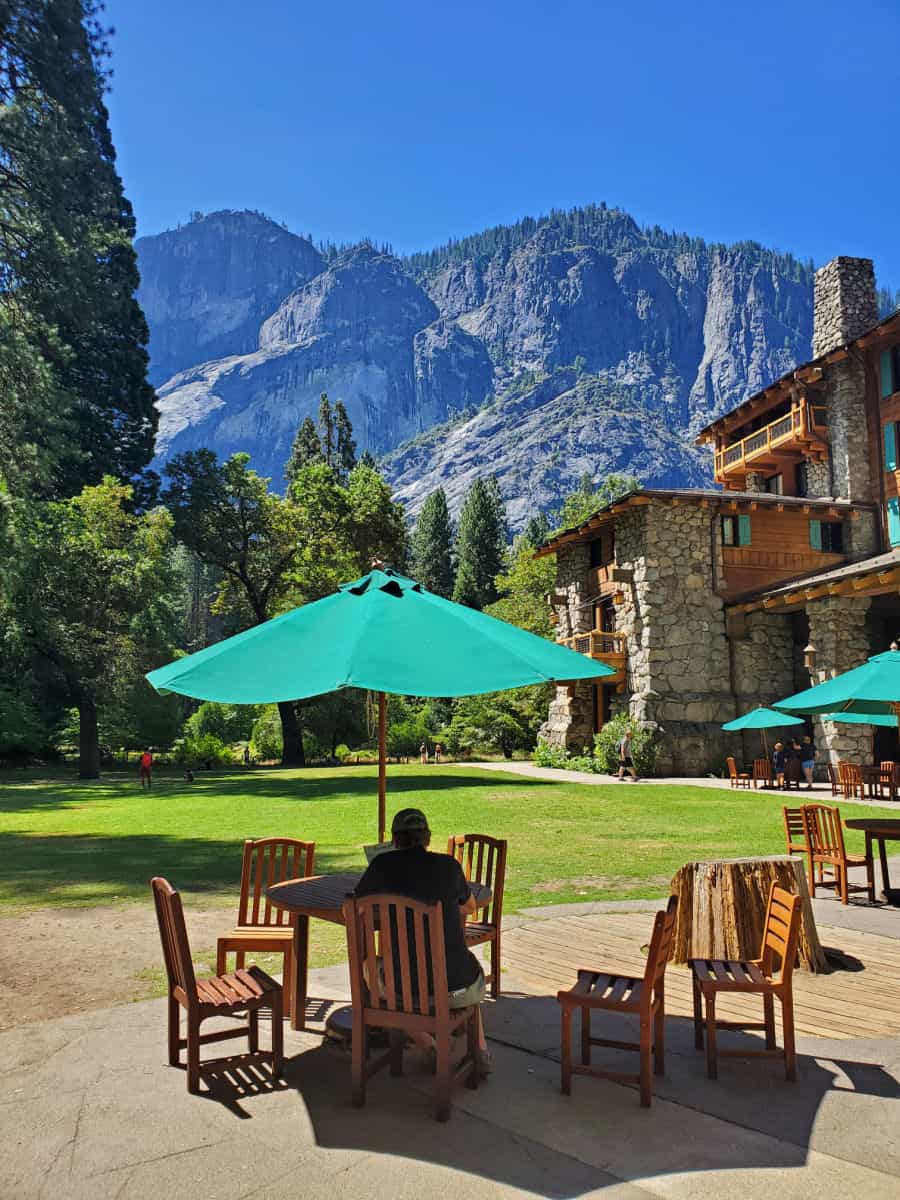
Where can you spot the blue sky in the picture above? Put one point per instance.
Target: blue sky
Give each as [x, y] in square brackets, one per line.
[411, 123]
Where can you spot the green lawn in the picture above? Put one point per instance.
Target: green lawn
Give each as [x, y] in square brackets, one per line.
[68, 843]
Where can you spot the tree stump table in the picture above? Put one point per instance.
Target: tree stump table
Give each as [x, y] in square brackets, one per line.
[722, 909]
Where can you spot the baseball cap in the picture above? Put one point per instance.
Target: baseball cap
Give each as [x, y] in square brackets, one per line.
[408, 819]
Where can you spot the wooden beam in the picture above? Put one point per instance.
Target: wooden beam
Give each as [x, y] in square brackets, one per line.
[637, 500]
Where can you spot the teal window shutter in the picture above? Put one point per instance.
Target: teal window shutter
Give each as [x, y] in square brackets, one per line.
[815, 535]
[890, 446]
[743, 531]
[893, 511]
[887, 374]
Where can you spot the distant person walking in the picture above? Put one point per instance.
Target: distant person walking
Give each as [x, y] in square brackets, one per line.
[147, 769]
[246, 756]
[626, 759]
[808, 760]
[423, 753]
[438, 751]
[779, 761]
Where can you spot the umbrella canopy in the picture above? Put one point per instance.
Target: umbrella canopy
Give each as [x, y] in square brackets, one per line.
[883, 720]
[762, 718]
[384, 633]
[873, 689]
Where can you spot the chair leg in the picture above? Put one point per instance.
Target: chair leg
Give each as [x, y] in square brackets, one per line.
[288, 977]
[221, 956]
[193, 1054]
[870, 871]
[277, 1034]
[174, 1032]
[769, 1011]
[585, 1037]
[444, 1081]
[787, 1019]
[659, 1038]
[565, 1057]
[712, 1068]
[358, 1063]
[472, 1046]
[646, 1075]
[698, 1016]
[253, 1030]
[495, 965]
[842, 882]
[396, 1038]
[240, 959]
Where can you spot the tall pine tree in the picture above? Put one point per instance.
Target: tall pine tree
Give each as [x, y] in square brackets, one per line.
[432, 546]
[306, 450]
[480, 544]
[344, 445]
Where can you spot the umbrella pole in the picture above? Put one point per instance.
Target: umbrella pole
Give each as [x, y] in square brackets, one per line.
[765, 742]
[382, 761]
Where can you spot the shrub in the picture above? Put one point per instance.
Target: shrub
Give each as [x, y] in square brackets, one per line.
[265, 741]
[197, 751]
[644, 745]
[547, 755]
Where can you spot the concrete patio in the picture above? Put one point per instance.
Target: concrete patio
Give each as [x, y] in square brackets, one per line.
[90, 1109]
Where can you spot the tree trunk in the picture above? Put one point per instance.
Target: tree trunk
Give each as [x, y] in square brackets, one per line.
[292, 753]
[722, 909]
[88, 739]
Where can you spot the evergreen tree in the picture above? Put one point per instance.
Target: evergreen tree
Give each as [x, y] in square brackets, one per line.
[480, 545]
[367, 459]
[70, 327]
[305, 450]
[538, 529]
[345, 446]
[327, 431]
[432, 546]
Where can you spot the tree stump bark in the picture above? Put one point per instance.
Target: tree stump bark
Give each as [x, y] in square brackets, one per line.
[722, 909]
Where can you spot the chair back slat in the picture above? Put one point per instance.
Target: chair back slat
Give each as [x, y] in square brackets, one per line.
[660, 948]
[267, 861]
[173, 935]
[762, 769]
[732, 767]
[824, 832]
[411, 939]
[794, 829]
[781, 933]
[483, 860]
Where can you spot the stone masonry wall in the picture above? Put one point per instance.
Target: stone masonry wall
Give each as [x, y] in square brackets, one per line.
[678, 659]
[570, 720]
[762, 669]
[845, 303]
[845, 398]
[838, 629]
[818, 479]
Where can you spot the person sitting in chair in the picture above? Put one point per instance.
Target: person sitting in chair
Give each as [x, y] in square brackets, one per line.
[410, 870]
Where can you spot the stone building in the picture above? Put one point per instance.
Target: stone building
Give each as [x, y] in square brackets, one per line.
[709, 602]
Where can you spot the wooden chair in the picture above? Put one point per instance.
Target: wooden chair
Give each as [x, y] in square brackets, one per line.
[795, 834]
[834, 779]
[483, 860]
[888, 780]
[738, 778]
[825, 837]
[780, 936]
[221, 996]
[851, 780]
[762, 772]
[403, 989]
[644, 997]
[261, 927]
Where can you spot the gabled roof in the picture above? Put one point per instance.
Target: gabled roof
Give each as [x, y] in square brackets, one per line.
[806, 373]
[703, 497]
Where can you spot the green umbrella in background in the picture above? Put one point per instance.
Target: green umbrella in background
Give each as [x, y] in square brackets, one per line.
[872, 690]
[762, 719]
[384, 633]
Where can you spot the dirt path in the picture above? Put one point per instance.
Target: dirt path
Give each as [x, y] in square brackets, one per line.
[66, 960]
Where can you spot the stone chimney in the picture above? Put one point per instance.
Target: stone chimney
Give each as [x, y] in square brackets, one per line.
[846, 304]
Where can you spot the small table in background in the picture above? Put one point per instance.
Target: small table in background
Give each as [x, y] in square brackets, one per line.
[880, 830]
[322, 897]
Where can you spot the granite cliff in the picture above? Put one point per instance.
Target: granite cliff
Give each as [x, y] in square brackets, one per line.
[535, 351]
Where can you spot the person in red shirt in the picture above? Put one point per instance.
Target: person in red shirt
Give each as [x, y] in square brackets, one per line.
[147, 769]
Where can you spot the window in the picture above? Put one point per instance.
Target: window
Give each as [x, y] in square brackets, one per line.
[602, 550]
[893, 514]
[774, 484]
[827, 536]
[802, 479]
[736, 531]
[889, 435]
[889, 371]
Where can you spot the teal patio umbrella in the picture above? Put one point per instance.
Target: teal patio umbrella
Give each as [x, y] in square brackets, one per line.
[384, 633]
[872, 690]
[762, 719]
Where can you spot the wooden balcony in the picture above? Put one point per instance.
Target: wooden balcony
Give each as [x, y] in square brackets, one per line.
[609, 648]
[801, 433]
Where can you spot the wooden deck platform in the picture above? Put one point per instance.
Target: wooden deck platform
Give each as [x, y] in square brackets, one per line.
[544, 955]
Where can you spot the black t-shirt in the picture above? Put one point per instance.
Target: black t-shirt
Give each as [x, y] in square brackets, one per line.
[428, 877]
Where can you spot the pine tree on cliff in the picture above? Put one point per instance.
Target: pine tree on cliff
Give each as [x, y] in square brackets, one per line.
[432, 546]
[480, 545]
[68, 272]
[326, 430]
[345, 446]
[305, 450]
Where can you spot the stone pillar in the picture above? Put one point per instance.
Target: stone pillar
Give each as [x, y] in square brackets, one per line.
[837, 629]
[818, 480]
[845, 398]
[570, 720]
[845, 303]
[762, 659]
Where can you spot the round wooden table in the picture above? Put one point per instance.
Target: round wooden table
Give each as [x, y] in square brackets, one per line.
[880, 830]
[322, 897]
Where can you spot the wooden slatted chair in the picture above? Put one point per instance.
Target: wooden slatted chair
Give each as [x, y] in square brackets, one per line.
[762, 772]
[619, 993]
[781, 934]
[834, 779]
[261, 927]
[851, 780]
[825, 836]
[402, 987]
[795, 835]
[221, 996]
[738, 778]
[483, 860]
[888, 780]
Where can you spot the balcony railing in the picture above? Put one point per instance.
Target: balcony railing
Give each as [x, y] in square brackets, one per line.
[805, 426]
[610, 648]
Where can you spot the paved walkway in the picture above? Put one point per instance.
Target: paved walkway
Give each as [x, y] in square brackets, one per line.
[89, 1109]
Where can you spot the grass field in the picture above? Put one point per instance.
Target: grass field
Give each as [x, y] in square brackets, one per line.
[68, 843]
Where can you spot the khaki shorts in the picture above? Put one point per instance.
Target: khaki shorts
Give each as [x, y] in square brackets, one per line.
[473, 994]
